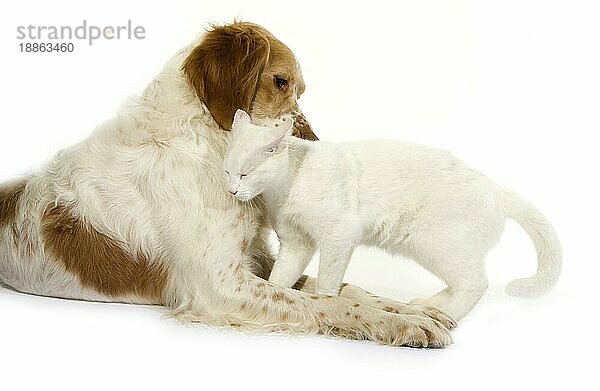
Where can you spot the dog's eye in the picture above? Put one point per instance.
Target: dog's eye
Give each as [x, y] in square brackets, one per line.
[280, 82]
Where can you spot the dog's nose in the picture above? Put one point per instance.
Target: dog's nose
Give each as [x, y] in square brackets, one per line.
[233, 192]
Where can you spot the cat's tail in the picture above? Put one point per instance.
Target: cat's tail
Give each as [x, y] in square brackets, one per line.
[546, 243]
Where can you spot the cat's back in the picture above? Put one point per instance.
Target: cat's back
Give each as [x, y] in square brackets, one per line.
[398, 154]
[376, 157]
[394, 166]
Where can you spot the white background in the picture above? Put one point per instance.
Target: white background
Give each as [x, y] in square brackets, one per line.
[512, 87]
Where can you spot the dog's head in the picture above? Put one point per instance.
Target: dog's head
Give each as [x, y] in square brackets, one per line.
[243, 66]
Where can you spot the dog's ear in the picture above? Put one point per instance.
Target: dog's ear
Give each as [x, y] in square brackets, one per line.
[225, 68]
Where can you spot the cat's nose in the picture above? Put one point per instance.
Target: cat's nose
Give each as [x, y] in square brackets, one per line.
[233, 192]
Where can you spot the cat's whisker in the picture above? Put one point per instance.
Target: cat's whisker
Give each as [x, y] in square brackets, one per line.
[258, 199]
[259, 210]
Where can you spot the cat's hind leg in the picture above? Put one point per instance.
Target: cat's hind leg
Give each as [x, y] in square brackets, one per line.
[461, 295]
[436, 300]
[454, 249]
[466, 286]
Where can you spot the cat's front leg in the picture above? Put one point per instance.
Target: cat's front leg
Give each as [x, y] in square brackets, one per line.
[333, 263]
[295, 252]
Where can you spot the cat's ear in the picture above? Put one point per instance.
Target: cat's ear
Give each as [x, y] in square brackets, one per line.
[284, 130]
[280, 136]
[240, 119]
[287, 128]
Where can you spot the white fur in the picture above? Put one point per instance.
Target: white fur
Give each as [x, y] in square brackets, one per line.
[408, 199]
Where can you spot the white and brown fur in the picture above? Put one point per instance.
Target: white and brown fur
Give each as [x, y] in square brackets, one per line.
[137, 213]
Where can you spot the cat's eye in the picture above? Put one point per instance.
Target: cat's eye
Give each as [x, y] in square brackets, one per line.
[280, 82]
[243, 176]
[270, 150]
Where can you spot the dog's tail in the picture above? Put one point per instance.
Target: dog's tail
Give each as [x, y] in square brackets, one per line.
[546, 243]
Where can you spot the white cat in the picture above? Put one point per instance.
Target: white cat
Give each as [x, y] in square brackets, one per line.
[407, 199]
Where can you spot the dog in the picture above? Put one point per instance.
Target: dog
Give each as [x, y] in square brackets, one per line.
[136, 212]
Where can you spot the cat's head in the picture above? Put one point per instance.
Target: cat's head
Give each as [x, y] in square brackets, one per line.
[256, 155]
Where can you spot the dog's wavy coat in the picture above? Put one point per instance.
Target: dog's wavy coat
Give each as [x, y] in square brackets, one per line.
[137, 213]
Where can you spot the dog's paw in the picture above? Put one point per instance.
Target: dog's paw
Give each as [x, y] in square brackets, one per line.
[436, 314]
[413, 331]
[417, 309]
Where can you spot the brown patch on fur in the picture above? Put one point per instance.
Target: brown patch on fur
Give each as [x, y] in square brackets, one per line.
[390, 309]
[236, 66]
[403, 329]
[321, 314]
[302, 128]
[278, 297]
[98, 261]
[281, 297]
[9, 198]
[355, 305]
[225, 68]
[315, 297]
